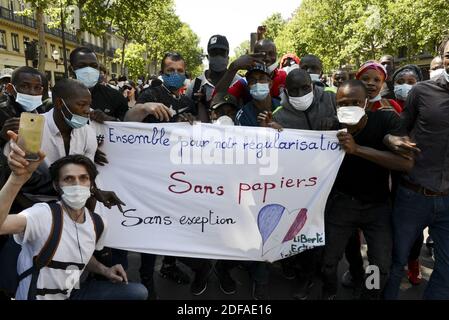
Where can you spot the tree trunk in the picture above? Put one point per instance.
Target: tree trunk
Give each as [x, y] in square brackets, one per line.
[105, 49]
[122, 65]
[79, 32]
[41, 37]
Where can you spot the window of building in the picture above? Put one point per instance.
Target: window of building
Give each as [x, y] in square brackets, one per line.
[52, 48]
[114, 68]
[15, 42]
[2, 39]
[46, 50]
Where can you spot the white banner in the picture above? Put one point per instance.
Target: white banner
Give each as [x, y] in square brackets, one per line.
[217, 192]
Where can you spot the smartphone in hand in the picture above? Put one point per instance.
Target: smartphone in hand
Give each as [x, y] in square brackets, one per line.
[31, 129]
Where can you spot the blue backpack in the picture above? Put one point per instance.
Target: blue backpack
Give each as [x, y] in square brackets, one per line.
[9, 254]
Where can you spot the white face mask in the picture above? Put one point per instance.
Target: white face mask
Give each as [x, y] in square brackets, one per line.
[27, 101]
[436, 73]
[301, 103]
[314, 77]
[223, 121]
[75, 196]
[376, 98]
[272, 67]
[350, 115]
[446, 75]
[401, 91]
[290, 68]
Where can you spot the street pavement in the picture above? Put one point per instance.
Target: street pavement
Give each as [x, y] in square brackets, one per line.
[279, 287]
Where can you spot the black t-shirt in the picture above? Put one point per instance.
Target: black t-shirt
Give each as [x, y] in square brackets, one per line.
[160, 94]
[363, 179]
[109, 100]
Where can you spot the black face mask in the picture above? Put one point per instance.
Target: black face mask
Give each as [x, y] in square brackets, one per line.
[218, 63]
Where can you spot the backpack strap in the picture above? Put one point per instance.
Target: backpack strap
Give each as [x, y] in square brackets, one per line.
[98, 225]
[49, 249]
[45, 256]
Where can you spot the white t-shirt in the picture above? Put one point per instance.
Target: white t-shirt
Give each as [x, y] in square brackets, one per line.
[60, 282]
[207, 85]
[82, 141]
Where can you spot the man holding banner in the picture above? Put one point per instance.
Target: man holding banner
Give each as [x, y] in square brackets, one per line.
[244, 201]
[304, 106]
[361, 197]
[160, 104]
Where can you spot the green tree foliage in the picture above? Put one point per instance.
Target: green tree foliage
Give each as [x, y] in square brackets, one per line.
[353, 31]
[275, 23]
[134, 59]
[240, 50]
[164, 31]
[152, 24]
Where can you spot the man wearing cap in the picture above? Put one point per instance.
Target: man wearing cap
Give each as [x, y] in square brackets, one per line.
[201, 88]
[264, 52]
[304, 106]
[224, 109]
[260, 85]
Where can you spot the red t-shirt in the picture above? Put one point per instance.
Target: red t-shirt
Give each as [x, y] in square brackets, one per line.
[401, 103]
[240, 88]
[377, 105]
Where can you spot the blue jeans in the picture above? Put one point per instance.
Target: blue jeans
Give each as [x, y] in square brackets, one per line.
[412, 213]
[106, 290]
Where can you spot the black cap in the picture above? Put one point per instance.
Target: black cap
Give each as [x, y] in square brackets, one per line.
[220, 100]
[218, 42]
[258, 67]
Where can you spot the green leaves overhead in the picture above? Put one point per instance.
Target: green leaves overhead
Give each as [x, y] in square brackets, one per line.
[152, 26]
[353, 31]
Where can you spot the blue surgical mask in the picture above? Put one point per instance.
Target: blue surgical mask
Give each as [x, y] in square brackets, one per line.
[260, 91]
[174, 81]
[401, 91]
[88, 75]
[28, 102]
[76, 121]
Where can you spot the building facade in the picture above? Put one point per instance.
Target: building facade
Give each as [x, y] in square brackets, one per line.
[15, 30]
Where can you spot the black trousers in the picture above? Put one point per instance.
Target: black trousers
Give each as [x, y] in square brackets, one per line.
[345, 216]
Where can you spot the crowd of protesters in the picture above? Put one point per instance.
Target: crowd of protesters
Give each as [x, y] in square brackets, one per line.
[392, 185]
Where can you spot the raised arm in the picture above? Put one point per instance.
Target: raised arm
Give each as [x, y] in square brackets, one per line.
[242, 63]
[21, 172]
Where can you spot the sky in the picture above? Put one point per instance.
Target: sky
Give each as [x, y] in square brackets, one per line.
[235, 19]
